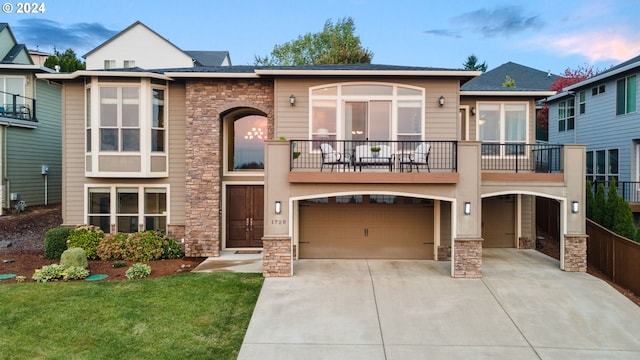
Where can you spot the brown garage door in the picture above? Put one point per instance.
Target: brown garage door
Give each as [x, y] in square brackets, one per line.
[498, 222]
[397, 228]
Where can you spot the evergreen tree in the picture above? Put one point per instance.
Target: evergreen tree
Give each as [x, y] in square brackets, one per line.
[590, 200]
[612, 204]
[623, 219]
[472, 63]
[599, 205]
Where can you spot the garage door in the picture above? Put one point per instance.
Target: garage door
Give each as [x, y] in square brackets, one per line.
[498, 222]
[372, 227]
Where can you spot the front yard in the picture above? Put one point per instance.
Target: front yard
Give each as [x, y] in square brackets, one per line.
[185, 316]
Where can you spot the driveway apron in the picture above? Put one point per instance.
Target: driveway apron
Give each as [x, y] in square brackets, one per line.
[524, 307]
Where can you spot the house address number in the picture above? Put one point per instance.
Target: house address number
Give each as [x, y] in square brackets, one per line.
[279, 222]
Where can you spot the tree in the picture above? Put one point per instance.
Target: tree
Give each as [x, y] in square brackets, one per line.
[573, 76]
[68, 61]
[472, 64]
[590, 198]
[599, 205]
[509, 82]
[336, 44]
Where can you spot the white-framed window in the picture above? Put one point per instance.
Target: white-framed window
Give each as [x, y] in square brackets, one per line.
[127, 208]
[626, 91]
[602, 165]
[367, 111]
[126, 120]
[582, 101]
[566, 115]
[600, 89]
[129, 63]
[503, 123]
[9, 86]
[120, 118]
[109, 64]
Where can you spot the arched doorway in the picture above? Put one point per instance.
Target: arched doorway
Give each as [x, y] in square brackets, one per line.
[244, 132]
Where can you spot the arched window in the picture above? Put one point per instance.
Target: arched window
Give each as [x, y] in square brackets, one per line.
[247, 143]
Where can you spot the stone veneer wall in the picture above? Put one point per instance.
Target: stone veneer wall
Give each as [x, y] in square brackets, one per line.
[575, 253]
[277, 257]
[206, 102]
[526, 243]
[467, 258]
[444, 253]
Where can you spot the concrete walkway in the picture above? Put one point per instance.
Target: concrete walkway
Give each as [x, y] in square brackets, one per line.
[525, 307]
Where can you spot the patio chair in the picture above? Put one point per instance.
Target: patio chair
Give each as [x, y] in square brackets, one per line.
[418, 158]
[331, 157]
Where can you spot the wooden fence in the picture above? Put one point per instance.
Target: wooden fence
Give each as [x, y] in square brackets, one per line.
[615, 256]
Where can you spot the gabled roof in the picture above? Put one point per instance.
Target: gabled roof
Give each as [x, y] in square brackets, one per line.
[114, 37]
[209, 58]
[526, 79]
[16, 49]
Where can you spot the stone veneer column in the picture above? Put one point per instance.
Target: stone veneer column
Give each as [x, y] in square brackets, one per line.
[444, 253]
[526, 242]
[206, 102]
[277, 257]
[575, 253]
[467, 258]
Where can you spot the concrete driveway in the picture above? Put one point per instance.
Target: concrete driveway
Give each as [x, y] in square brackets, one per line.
[525, 307]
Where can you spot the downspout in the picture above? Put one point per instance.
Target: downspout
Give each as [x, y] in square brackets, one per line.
[3, 170]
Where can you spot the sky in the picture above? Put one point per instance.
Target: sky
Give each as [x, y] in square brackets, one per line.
[548, 35]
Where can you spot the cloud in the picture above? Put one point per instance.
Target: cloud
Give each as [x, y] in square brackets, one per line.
[613, 44]
[49, 34]
[491, 22]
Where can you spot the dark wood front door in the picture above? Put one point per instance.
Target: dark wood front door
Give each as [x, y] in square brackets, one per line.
[245, 215]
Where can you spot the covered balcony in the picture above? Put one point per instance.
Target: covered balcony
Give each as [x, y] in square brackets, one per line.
[20, 111]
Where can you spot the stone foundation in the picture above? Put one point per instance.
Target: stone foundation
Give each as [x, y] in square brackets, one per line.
[444, 253]
[526, 243]
[467, 262]
[277, 257]
[575, 253]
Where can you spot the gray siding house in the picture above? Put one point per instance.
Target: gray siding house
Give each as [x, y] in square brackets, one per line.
[601, 112]
[30, 128]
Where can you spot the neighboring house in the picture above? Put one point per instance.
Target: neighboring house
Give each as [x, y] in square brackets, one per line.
[39, 57]
[602, 113]
[138, 46]
[30, 135]
[196, 151]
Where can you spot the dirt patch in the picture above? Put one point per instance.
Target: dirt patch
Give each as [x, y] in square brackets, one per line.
[25, 233]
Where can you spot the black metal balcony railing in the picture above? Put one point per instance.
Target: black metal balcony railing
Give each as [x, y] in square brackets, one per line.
[520, 157]
[360, 155]
[629, 190]
[20, 108]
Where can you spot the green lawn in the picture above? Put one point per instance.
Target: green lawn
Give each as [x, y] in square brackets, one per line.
[185, 316]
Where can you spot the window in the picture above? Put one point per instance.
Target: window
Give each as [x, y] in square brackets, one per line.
[119, 119]
[136, 208]
[11, 85]
[247, 148]
[129, 63]
[602, 165]
[566, 115]
[157, 122]
[88, 120]
[503, 123]
[583, 102]
[109, 64]
[367, 111]
[626, 95]
[598, 90]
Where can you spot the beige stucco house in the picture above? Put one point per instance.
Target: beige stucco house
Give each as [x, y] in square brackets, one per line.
[238, 158]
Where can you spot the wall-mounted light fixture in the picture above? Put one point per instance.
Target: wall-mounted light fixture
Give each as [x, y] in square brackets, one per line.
[467, 208]
[292, 100]
[575, 207]
[278, 207]
[441, 100]
[473, 110]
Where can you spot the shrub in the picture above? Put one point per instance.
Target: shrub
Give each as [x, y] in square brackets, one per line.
[74, 273]
[171, 249]
[112, 247]
[118, 264]
[87, 237]
[48, 272]
[141, 246]
[55, 242]
[138, 271]
[76, 257]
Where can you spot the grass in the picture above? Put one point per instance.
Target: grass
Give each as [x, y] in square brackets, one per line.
[185, 316]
